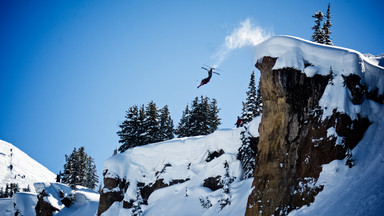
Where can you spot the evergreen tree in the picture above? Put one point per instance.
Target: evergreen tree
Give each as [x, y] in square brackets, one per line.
[200, 116]
[141, 130]
[80, 169]
[201, 119]
[247, 153]
[318, 34]
[252, 107]
[166, 124]
[213, 118]
[151, 124]
[136, 206]
[129, 133]
[326, 27]
[182, 129]
[92, 178]
[226, 182]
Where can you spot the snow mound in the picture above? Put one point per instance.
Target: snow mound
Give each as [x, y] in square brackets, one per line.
[18, 167]
[187, 159]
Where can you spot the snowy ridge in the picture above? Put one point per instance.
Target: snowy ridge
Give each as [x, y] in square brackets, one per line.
[18, 167]
[313, 58]
[186, 159]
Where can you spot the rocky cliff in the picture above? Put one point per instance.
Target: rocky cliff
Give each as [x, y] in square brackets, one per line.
[303, 125]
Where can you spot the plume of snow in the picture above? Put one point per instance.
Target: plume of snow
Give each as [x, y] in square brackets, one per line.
[245, 35]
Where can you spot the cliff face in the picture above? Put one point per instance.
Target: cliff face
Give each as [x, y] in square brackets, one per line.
[295, 138]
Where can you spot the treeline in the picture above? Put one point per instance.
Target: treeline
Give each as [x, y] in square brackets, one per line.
[11, 189]
[79, 169]
[149, 124]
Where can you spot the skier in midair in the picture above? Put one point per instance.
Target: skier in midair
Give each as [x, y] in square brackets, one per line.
[206, 80]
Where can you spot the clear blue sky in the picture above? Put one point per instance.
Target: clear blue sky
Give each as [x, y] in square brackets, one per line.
[70, 69]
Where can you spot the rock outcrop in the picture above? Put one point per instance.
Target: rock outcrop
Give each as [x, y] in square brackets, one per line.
[295, 139]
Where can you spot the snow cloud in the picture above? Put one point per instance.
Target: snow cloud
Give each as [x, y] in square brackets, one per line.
[246, 34]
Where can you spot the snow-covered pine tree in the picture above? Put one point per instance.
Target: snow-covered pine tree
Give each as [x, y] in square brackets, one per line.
[247, 153]
[226, 181]
[200, 116]
[214, 120]
[79, 169]
[70, 172]
[151, 123]
[201, 119]
[326, 27]
[182, 129]
[129, 136]
[136, 206]
[252, 106]
[166, 124]
[82, 159]
[318, 34]
[92, 178]
[142, 134]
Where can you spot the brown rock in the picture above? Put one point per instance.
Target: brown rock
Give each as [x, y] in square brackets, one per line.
[293, 142]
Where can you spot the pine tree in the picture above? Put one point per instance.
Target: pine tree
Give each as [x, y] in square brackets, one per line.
[213, 118]
[326, 27]
[136, 206]
[247, 153]
[80, 169]
[318, 34]
[252, 107]
[129, 133]
[151, 123]
[226, 182]
[201, 119]
[92, 178]
[2, 194]
[182, 129]
[166, 124]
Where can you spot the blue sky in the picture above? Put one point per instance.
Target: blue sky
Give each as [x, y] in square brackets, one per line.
[70, 69]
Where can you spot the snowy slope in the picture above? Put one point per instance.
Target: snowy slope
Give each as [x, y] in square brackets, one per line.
[85, 205]
[25, 170]
[186, 159]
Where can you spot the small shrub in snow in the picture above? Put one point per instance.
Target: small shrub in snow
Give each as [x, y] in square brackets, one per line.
[205, 202]
[350, 161]
[136, 206]
[226, 181]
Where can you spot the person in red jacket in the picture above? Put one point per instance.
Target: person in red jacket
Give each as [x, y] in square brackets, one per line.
[238, 122]
[206, 80]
